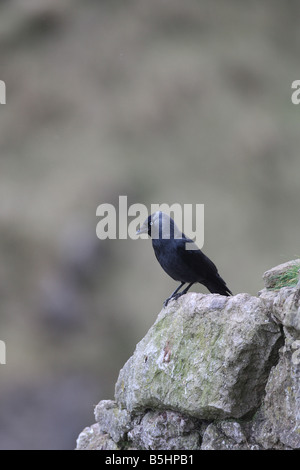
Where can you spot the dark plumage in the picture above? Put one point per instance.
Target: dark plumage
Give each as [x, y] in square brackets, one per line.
[179, 262]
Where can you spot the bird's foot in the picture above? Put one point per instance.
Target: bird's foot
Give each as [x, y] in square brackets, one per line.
[173, 297]
[176, 296]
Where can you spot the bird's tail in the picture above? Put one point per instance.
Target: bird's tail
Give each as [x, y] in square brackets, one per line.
[218, 286]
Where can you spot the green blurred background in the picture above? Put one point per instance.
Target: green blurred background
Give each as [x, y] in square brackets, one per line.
[162, 101]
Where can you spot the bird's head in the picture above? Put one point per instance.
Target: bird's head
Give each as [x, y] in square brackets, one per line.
[160, 225]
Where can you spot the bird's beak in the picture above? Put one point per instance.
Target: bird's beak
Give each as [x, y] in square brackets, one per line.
[143, 229]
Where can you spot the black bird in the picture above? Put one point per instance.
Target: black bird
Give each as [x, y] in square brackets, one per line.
[183, 264]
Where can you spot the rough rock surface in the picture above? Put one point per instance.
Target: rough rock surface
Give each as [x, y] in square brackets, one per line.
[225, 435]
[211, 373]
[165, 430]
[91, 438]
[206, 356]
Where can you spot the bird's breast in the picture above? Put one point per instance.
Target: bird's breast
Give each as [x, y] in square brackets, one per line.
[167, 256]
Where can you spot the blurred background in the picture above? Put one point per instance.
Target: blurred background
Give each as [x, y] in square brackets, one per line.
[162, 101]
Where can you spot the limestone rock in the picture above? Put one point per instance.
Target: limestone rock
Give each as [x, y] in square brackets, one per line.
[286, 309]
[92, 439]
[278, 423]
[225, 435]
[270, 276]
[165, 430]
[112, 420]
[206, 356]
[212, 373]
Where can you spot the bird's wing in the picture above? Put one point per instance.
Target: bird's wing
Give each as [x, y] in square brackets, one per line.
[194, 257]
[202, 267]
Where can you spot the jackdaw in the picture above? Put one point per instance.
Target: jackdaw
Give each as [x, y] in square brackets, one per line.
[171, 248]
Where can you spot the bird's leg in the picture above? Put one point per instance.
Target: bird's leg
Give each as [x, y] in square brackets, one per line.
[187, 288]
[173, 294]
[176, 296]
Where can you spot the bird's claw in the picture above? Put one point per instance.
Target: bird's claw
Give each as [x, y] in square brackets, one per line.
[174, 297]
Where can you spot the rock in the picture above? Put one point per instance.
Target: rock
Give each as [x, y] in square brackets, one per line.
[212, 373]
[225, 435]
[112, 420]
[92, 439]
[286, 309]
[165, 430]
[278, 423]
[270, 276]
[206, 356]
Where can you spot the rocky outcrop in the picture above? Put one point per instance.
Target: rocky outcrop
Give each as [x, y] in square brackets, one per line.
[206, 356]
[213, 372]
